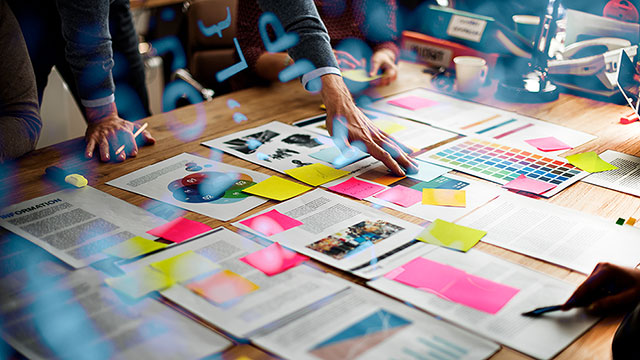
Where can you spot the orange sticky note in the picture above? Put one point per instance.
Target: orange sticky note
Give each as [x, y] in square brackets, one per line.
[387, 180]
[444, 197]
[223, 287]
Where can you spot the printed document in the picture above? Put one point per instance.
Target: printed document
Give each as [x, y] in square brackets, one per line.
[625, 179]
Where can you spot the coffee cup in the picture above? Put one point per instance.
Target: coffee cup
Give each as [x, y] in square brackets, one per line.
[471, 73]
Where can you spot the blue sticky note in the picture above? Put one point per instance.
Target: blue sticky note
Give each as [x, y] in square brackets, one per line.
[428, 171]
[334, 156]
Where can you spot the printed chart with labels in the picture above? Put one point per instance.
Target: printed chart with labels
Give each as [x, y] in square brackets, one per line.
[502, 163]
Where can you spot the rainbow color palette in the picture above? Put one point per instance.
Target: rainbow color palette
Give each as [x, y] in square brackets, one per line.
[502, 163]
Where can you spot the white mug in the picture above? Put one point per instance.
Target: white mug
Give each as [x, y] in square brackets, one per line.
[471, 73]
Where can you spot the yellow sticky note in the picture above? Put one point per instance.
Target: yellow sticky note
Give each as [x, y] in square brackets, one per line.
[140, 282]
[185, 266]
[316, 174]
[133, 247]
[453, 236]
[359, 75]
[590, 162]
[277, 188]
[389, 127]
[444, 197]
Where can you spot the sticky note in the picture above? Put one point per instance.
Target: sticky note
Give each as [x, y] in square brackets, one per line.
[222, 287]
[270, 223]
[335, 157]
[140, 282]
[400, 195]
[444, 197]
[428, 172]
[631, 221]
[277, 188]
[274, 259]
[412, 102]
[620, 221]
[388, 126]
[185, 266]
[454, 285]
[548, 144]
[179, 229]
[453, 236]
[590, 162]
[523, 183]
[316, 174]
[388, 179]
[357, 188]
[133, 247]
[359, 75]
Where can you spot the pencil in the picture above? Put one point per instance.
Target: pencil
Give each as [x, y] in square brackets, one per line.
[135, 135]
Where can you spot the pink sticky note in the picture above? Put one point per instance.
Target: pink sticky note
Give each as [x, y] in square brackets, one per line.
[274, 259]
[356, 188]
[401, 195]
[271, 223]
[412, 102]
[454, 285]
[523, 183]
[179, 229]
[548, 144]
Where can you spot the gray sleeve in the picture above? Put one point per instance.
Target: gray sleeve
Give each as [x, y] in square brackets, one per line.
[20, 122]
[301, 16]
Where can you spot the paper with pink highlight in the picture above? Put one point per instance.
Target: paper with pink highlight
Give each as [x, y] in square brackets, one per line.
[401, 195]
[179, 230]
[270, 223]
[356, 188]
[274, 259]
[412, 102]
[548, 144]
[454, 285]
[523, 183]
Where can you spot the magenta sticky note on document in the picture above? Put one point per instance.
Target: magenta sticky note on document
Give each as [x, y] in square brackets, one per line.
[179, 229]
[412, 102]
[454, 285]
[356, 188]
[401, 195]
[271, 223]
[523, 183]
[548, 144]
[274, 259]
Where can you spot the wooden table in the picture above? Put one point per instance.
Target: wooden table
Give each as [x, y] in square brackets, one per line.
[288, 103]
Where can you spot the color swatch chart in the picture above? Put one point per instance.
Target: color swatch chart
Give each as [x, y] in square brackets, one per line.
[502, 163]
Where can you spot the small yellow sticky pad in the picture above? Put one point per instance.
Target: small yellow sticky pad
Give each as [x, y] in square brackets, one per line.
[316, 174]
[453, 236]
[76, 180]
[140, 282]
[277, 188]
[185, 266]
[133, 247]
[444, 197]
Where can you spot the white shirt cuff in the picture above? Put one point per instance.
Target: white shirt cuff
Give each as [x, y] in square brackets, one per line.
[315, 74]
[98, 102]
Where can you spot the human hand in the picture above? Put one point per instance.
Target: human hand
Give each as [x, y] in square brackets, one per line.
[347, 124]
[384, 59]
[107, 131]
[609, 289]
[346, 61]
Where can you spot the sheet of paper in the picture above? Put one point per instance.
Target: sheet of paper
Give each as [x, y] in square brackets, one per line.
[179, 229]
[412, 102]
[75, 225]
[400, 195]
[540, 338]
[450, 235]
[336, 158]
[444, 197]
[590, 162]
[316, 174]
[137, 284]
[523, 183]
[361, 324]
[277, 188]
[278, 296]
[625, 179]
[356, 188]
[185, 266]
[561, 236]
[133, 247]
[223, 287]
[359, 75]
[548, 143]
[270, 223]
[99, 324]
[452, 284]
[195, 183]
[469, 118]
[346, 234]
[274, 259]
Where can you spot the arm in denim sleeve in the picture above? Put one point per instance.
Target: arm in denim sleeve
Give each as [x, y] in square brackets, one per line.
[85, 28]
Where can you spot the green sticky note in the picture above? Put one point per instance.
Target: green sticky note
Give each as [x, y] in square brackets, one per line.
[453, 236]
[140, 282]
[133, 247]
[185, 266]
[277, 188]
[590, 162]
[620, 221]
[316, 174]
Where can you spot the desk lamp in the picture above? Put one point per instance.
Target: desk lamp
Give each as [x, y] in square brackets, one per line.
[533, 85]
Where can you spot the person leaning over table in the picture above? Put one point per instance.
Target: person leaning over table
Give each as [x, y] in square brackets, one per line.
[612, 289]
[301, 16]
